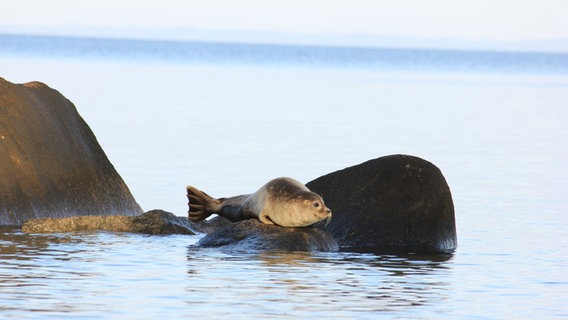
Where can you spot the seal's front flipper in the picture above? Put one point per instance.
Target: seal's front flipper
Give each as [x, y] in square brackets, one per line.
[201, 205]
[263, 216]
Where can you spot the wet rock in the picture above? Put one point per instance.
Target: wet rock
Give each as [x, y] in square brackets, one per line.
[397, 204]
[79, 223]
[51, 164]
[252, 234]
[161, 222]
[211, 225]
[156, 222]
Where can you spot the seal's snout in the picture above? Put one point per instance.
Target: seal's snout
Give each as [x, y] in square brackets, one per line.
[325, 213]
[324, 219]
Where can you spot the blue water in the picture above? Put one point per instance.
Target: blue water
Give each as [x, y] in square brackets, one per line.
[176, 52]
[229, 117]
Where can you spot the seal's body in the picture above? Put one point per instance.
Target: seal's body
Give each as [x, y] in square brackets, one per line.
[282, 201]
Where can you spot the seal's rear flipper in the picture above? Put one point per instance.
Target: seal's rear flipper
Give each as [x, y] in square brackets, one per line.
[201, 205]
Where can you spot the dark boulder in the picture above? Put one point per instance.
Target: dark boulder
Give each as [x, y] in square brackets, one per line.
[51, 164]
[393, 204]
[252, 234]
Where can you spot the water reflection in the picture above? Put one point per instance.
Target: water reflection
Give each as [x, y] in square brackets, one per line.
[87, 273]
[21, 246]
[312, 283]
[36, 272]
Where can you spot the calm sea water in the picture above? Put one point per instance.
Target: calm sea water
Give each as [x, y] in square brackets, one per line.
[228, 118]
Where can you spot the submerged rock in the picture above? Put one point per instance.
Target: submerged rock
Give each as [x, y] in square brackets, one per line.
[51, 164]
[397, 204]
[152, 222]
[252, 234]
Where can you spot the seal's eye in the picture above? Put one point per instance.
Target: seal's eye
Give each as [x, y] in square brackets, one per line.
[316, 204]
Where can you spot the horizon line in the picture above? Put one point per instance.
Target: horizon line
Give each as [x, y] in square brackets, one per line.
[280, 43]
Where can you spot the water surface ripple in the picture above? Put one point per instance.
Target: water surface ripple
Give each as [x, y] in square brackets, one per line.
[115, 275]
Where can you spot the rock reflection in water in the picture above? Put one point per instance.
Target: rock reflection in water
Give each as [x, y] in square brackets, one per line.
[36, 272]
[122, 275]
[312, 284]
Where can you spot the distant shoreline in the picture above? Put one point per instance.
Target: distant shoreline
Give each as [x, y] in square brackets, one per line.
[341, 41]
[363, 58]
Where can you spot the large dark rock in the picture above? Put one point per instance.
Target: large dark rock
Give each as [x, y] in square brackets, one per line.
[252, 234]
[393, 204]
[51, 164]
[155, 222]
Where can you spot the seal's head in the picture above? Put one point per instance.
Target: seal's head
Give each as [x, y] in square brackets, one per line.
[314, 205]
[305, 209]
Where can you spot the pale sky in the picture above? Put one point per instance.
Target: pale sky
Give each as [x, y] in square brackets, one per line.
[473, 20]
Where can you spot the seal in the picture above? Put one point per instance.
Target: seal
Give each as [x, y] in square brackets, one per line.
[282, 201]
